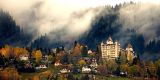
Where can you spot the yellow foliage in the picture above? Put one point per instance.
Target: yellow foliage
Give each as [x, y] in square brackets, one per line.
[37, 55]
[130, 56]
[50, 58]
[82, 62]
[124, 67]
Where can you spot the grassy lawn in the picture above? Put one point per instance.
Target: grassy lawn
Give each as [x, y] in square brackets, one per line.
[77, 75]
[117, 78]
[31, 75]
[38, 73]
[53, 70]
[99, 77]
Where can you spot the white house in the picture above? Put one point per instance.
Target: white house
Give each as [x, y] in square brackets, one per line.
[57, 63]
[64, 71]
[41, 67]
[24, 57]
[86, 70]
[94, 63]
[90, 52]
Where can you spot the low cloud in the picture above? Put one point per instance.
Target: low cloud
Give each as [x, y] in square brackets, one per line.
[64, 20]
[51, 17]
[144, 18]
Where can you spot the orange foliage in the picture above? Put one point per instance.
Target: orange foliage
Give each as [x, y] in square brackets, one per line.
[36, 77]
[7, 51]
[4, 75]
[19, 51]
[77, 49]
[9, 73]
[11, 51]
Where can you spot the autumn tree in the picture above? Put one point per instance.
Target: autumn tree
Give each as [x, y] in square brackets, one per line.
[7, 51]
[19, 51]
[124, 67]
[37, 55]
[151, 68]
[134, 70]
[36, 77]
[111, 65]
[82, 63]
[102, 69]
[157, 64]
[9, 74]
[75, 53]
[4, 75]
[50, 58]
[77, 49]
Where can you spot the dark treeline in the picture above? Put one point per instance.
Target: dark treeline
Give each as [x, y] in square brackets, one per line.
[11, 33]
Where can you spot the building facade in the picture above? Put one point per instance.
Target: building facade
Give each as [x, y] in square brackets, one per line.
[110, 49]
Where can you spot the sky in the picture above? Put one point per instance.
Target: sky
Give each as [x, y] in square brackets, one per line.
[93, 3]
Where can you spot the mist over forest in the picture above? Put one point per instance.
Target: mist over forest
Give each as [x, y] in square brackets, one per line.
[134, 23]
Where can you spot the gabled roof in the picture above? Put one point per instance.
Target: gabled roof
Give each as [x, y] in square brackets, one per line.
[109, 39]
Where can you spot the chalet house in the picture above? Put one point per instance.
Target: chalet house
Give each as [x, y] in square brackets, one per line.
[24, 57]
[86, 70]
[57, 63]
[42, 66]
[65, 70]
[94, 63]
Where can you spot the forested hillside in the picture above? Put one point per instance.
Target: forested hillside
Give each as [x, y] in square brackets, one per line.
[106, 24]
[11, 33]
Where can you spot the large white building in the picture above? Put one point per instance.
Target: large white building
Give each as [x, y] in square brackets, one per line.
[110, 49]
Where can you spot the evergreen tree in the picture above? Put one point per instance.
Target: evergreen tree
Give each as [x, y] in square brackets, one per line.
[122, 59]
[10, 32]
[65, 59]
[84, 51]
